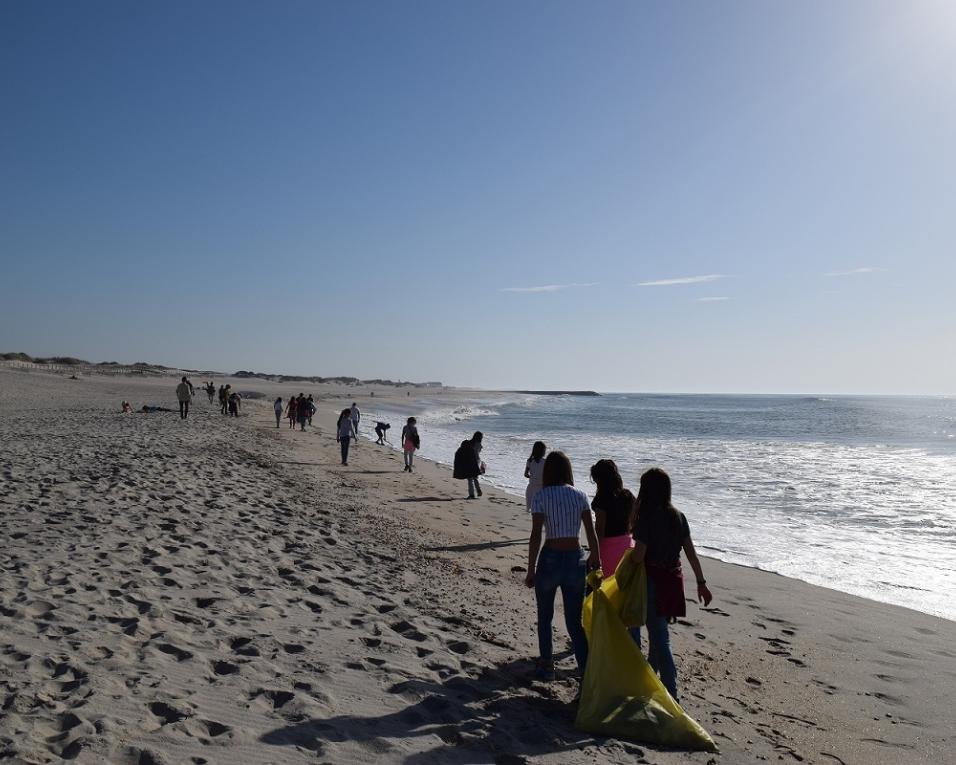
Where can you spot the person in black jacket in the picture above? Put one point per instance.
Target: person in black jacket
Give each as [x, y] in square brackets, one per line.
[466, 466]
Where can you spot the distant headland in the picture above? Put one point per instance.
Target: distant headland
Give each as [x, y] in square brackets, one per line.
[560, 392]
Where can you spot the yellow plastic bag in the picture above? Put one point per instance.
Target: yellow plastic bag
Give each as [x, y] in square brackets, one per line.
[631, 579]
[621, 696]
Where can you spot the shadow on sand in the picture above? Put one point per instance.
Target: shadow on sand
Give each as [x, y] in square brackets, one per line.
[427, 499]
[497, 717]
[479, 546]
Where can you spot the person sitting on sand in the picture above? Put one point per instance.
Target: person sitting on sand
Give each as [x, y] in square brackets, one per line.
[410, 442]
[466, 466]
[380, 428]
[613, 507]
[345, 432]
[277, 405]
[533, 469]
[559, 510]
[127, 408]
[660, 533]
[290, 411]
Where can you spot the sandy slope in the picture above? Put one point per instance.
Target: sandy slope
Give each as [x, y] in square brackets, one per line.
[221, 591]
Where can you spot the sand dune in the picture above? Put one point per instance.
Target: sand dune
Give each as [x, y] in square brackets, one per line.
[220, 591]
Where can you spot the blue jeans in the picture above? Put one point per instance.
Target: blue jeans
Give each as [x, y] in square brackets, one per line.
[659, 654]
[567, 570]
[345, 448]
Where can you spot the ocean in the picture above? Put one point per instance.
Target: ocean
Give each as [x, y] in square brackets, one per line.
[853, 493]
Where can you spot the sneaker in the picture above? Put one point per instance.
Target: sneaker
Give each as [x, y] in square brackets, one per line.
[544, 672]
[471, 496]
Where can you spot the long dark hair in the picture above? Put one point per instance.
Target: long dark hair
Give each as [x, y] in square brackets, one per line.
[607, 477]
[611, 496]
[537, 451]
[557, 470]
[654, 497]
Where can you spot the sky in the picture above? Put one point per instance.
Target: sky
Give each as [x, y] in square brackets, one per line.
[628, 196]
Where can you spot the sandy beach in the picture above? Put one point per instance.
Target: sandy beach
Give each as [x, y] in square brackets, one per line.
[220, 591]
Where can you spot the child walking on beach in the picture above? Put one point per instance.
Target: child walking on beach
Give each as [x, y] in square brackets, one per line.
[613, 507]
[559, 510]
[533, 470]
[660, 533]
[410, 442]
[290, 412]
[278, 407]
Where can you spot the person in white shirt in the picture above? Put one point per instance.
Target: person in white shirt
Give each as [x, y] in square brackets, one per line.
[533, 470]
[559, 510]
[278, 407]
[355, 415]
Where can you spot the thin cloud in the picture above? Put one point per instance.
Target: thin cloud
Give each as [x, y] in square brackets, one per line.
[549, 287]
[682, 280]
[856, 271]
[712, 299]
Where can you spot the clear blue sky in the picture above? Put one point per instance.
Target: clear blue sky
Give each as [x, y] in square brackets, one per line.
[374, 188]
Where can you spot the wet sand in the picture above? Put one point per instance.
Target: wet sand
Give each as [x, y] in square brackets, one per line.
[222, 591]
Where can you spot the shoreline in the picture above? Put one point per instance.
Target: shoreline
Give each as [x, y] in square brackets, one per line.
[254, 601]
[364, 401]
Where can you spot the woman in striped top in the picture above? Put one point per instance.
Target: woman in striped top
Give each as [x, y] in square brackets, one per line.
[559, 510]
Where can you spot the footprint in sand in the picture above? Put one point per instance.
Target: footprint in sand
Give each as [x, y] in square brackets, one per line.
[408, 630]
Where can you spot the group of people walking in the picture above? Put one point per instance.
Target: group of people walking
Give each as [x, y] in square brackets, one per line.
[614, 522]
[300, 409]
[230, 402]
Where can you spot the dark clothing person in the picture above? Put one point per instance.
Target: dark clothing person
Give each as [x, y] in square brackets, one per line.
[380, 428]
[184, 392]
[466, 467]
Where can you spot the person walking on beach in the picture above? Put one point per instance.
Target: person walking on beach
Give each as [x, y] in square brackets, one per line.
[660, 533]
[278, 408]
[355, 416]
[410, 442]
[311, 406]
[184, 392]
[211, 391]
[224, 398]
[613, 507]
[558, 511]
[345, 432]
[235, 404]
[380, 428]
[290, 412]
[533, 470]
[466, 466]
[476, 440]
[302, 411]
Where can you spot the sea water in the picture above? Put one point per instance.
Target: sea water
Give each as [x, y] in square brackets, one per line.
[853, 493]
